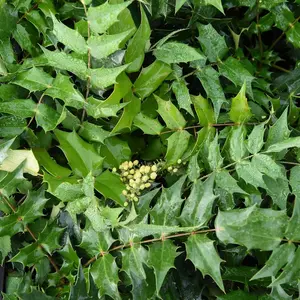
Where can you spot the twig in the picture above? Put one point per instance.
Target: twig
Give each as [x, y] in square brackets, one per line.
[28, 11]
[161, 239]
[88, 83]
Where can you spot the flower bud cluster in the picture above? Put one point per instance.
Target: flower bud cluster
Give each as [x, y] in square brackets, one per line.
[173, 169]
[136, 178]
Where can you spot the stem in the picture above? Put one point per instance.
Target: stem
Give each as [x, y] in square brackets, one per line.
[161, 239]
[261, 51]
[281, 69]
[88, 83]
[28, 11]
[283, 33]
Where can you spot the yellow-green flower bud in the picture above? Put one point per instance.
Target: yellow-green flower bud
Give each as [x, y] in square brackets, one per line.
[128, 188]
[154, 168]
[114, 170]
[138, 180]
[132, 172]
[175, 170]
[142, 169]
[136, 199]
[142, 186]
[125, 174]
[145, 178]
[153, 175]
[147, 185]
[130, 164]
[136, 162]
[179, 161]
[170, 169]
[124, 192]
[147, 169]
[137, 174]
[125, 203]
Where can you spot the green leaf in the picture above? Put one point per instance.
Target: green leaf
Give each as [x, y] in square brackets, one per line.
[35, 295]
[279, 258]
[289, 143]
[115, 152]
[197, 210]
[63, 61]
[214, 158]
[8, 20]
[170, 114]
[105, 274]
[293, 35]
[177, 145]
[174, 53]
[240, 111]
[103, 16]
[256, 139]
[292, 231]
[133, 259]
[249, 173]
[290, 271]
[69, 37]
[110, 186]
[82, 157]
[225, 181]
[135, 52]
[213, 44]
[102, 109]
[34, 80]
[47, 117]
[63, 89]
[151, 78]
[104, 77]
[279, 131]
[129, 113]
[209, 79]
[216, 3]
[204, 111]
[4, 147]
[5, 247]
[16, 157]
[278, 190]
[266, 165]
[104, 45]
[24, 108]
[193, 170]
[147, 125]
[95, 242]
[93, 133]
[252, 227]
[79, 289]
[237, 145]
[161, 259]
[233, 70]
[167, 208]
[182, 94]
[202, 253]
[179, 4]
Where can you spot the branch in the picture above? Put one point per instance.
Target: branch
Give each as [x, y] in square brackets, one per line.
[161, 239]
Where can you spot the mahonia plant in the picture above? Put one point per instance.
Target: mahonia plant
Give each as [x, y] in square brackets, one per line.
[149, 149]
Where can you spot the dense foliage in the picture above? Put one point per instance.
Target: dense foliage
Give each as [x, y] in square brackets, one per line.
[150, 149]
